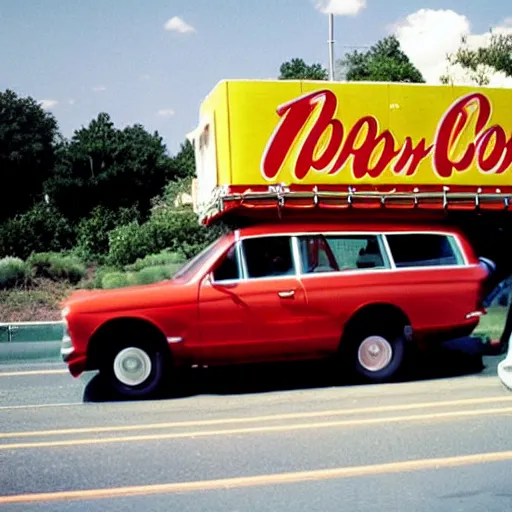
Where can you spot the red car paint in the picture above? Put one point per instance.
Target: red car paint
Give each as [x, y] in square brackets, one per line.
[283, 318]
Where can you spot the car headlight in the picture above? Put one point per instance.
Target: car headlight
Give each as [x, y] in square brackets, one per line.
[65, 312]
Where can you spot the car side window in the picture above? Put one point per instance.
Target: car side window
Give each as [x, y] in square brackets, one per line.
[358, 252]
[316, 255]
[229, 267]
[331, 253]
[424, 250]
[269, 256]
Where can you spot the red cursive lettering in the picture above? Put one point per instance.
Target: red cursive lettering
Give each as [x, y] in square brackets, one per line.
[311, 139]
[452, 127]
[411, 157]
[494, 152]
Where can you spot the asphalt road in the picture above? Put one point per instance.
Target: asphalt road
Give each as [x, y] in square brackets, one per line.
[254, 439]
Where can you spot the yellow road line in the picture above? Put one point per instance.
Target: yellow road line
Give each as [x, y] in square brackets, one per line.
[262, 480]
[258, 430]
[32, 372]
[255, 419]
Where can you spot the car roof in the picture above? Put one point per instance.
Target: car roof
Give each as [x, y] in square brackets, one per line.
[365, 226]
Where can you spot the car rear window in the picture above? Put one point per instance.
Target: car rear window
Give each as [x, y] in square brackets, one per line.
[424, 250]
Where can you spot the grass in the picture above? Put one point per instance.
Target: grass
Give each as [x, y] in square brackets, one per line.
[493, 323]
[37, 304]
[39, 298]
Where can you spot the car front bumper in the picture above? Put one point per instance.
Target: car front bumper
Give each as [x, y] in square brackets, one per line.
[76, 361]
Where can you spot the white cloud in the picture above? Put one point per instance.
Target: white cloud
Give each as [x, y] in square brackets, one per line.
[165, 112]
[99, 88]
[48, 104]
[428, 36]
[176, 24]
[340, 7]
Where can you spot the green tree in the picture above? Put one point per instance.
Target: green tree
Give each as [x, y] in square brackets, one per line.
[102, 165]
[383, 62]
[92, 231]
[480, 63]
[184, 163]
[40, 229]
[297, 69]
[27, 136]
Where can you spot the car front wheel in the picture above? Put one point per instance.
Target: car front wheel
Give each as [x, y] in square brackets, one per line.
[134, 370]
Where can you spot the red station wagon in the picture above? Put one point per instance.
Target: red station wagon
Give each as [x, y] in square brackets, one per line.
[363, 292]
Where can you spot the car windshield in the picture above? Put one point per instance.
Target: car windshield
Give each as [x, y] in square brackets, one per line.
[191, 267]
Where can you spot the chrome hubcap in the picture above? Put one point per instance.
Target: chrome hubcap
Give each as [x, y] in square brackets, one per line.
[375, 353]
[132, 366]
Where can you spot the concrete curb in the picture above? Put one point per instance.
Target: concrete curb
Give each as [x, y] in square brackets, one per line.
[27, 341]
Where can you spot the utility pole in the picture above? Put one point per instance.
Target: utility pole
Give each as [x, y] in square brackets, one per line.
[331, 46]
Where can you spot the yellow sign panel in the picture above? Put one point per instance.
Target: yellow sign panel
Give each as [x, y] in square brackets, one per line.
[326, 133]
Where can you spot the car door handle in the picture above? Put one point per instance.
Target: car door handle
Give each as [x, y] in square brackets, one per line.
[286, 294]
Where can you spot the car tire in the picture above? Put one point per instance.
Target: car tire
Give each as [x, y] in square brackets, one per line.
[377, 355]
[135, 370]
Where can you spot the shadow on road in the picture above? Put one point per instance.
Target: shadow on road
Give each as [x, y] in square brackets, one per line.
[243, 379]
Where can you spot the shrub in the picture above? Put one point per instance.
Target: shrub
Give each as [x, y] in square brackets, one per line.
[92, 232]
[114, 280]
[148, 275]
[118, 280]
[108, 278]
[152, 275]
[126, 244]
[41, 229]
[99, 274]
[162, 258]
[173, 230]
[13, 272]
[57, 267]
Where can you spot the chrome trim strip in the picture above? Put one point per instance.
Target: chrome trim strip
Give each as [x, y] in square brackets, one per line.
[242, 270]
[390, 270]
[345, 232]
[474, 314]
[341, 273]
[296, 255]
[387, 249]
[174, 339]
[245, 273]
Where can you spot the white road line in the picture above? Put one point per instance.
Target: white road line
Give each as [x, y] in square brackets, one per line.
[33, 372]
[37, 406]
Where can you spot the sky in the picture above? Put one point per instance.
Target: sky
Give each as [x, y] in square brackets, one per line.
[153, 61]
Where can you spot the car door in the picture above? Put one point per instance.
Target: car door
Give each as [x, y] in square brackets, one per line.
[253, 306]
[340, 273]
[443, 290]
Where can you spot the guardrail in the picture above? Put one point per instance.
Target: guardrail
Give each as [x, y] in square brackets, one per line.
[23, 341]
